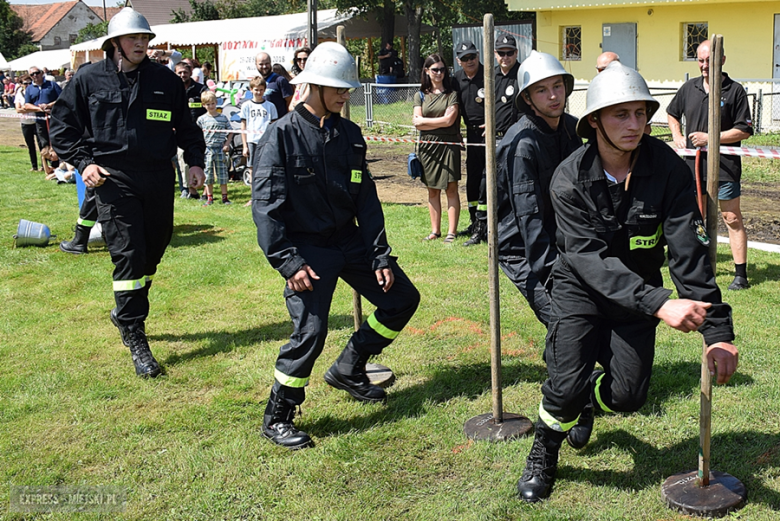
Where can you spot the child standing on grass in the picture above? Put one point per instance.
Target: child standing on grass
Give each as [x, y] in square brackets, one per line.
[256, 115]
[216, 145]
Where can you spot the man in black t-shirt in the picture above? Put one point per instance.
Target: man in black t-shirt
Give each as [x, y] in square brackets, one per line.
[469, 83]
[692, 101]
[193, 91]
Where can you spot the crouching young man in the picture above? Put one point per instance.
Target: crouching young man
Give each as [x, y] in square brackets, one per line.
[319, 219]
[618, 202]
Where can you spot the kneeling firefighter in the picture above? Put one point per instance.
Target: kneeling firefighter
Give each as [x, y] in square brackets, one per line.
[120, 121]
[319, 219]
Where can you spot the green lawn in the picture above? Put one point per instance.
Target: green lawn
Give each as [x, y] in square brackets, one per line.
[187, 445]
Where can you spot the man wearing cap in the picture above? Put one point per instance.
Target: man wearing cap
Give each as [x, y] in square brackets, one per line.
[319, 219]
[526, 158]
[469, 83]
[120, 121]
[619, 202]
[192, 90]
[506, 115]
[692, 101]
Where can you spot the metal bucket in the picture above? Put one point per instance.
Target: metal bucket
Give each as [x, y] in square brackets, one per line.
[32, 234]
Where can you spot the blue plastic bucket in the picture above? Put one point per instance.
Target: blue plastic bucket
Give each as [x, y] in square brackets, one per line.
[384, 94]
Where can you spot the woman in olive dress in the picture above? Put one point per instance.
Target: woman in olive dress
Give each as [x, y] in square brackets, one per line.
[436, 117]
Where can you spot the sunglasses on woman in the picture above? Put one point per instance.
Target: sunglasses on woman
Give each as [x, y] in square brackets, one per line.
[437, 70]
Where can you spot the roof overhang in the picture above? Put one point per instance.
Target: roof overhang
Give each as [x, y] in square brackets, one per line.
[550, 5]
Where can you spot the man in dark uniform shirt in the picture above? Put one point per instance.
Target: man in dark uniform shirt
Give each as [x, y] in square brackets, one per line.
[193, 91]
[277, 88]
[692, 101]
[469, 83]
[506, 116]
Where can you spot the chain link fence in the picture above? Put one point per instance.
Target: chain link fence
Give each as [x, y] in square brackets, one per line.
[380, 106]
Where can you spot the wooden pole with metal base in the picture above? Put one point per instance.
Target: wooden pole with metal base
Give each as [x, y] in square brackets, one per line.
[704, 492]
[498, 425]
[377, 374]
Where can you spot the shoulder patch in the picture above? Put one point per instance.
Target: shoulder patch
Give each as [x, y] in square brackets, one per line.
[700, 232]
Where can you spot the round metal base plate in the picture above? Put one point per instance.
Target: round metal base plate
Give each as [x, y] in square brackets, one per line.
[380, 375]
[484, 427]
[724, 494]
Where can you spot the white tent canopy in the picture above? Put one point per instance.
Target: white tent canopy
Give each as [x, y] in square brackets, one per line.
[288, 26]
[4, 64]
[50, 59]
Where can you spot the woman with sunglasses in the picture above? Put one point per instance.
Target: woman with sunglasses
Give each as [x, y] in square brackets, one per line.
[300, 57]
[436, 117]
[28, 123]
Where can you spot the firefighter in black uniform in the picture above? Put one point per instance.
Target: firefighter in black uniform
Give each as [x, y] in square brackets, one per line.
[116, 121]
[619, 201]
[526, 158]
[469, 83]
[319, 218]
[507, 113]
[193, 90]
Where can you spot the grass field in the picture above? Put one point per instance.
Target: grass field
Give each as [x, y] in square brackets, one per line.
[187, 445]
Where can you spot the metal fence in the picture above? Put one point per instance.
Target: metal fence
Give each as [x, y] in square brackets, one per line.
[391, 105]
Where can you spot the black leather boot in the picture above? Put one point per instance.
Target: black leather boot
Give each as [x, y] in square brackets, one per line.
[478, 235]
[145, 364]
[579, 435]
[278, 421]
[348, 373]
[79, 243]
[539, 474]
[122, 329]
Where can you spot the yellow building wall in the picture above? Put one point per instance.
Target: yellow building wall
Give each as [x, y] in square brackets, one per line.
[747, 29]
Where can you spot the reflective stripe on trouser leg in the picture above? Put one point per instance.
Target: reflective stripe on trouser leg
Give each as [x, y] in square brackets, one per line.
[553, 423]
[85, 223]
[290, 381]
[380, 328]
[129, 285]
[596, 391]
[482, 207]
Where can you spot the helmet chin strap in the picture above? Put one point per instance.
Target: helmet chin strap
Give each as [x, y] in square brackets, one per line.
[118, 47]
[606, 136]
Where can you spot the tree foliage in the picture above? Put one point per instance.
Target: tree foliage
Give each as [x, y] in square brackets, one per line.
[205, 10]
[92, 31]
[14, 42]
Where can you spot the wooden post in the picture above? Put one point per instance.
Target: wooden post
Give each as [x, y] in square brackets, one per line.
[492, 198]
[713, 173]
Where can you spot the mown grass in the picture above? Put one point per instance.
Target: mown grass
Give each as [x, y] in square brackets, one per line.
[187, 445]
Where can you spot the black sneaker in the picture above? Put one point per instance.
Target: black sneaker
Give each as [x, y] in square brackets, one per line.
[739, 283]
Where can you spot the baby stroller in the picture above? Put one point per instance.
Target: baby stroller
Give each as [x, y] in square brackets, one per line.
[236, 161]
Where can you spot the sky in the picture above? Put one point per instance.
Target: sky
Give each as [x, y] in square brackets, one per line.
[109, 3]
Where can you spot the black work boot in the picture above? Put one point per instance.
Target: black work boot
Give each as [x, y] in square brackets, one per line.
[537, 479]
[122, 329]
[278, 422]
[145, 364]
[348, 373]
[79, 243]
[579, 435]
[478, 235]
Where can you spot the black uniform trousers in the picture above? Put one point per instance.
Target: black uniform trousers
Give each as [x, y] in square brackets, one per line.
[309, 310]
[88, 213]
[30, 133]
[475, 171]
[519, 272]
[585, 329]
[137, 224]
[481, 213]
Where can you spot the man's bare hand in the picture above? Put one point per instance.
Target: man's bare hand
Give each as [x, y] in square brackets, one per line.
[301, 281]
[385, 278]
[699, 139]
[197, 177]
[683, 314]
[680, 142]
[724, 357]
[94, 175]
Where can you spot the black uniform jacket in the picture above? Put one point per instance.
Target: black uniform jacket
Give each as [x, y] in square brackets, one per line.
[619, 254]
[526, 159]
[102, 118]
[309, 185]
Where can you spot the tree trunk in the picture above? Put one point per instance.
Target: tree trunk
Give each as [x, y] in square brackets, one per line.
[386, 17]
[414, 20]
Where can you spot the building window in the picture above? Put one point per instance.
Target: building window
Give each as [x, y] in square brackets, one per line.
[57, 40]
[571, 43]
[73, 38]
[692, 35]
